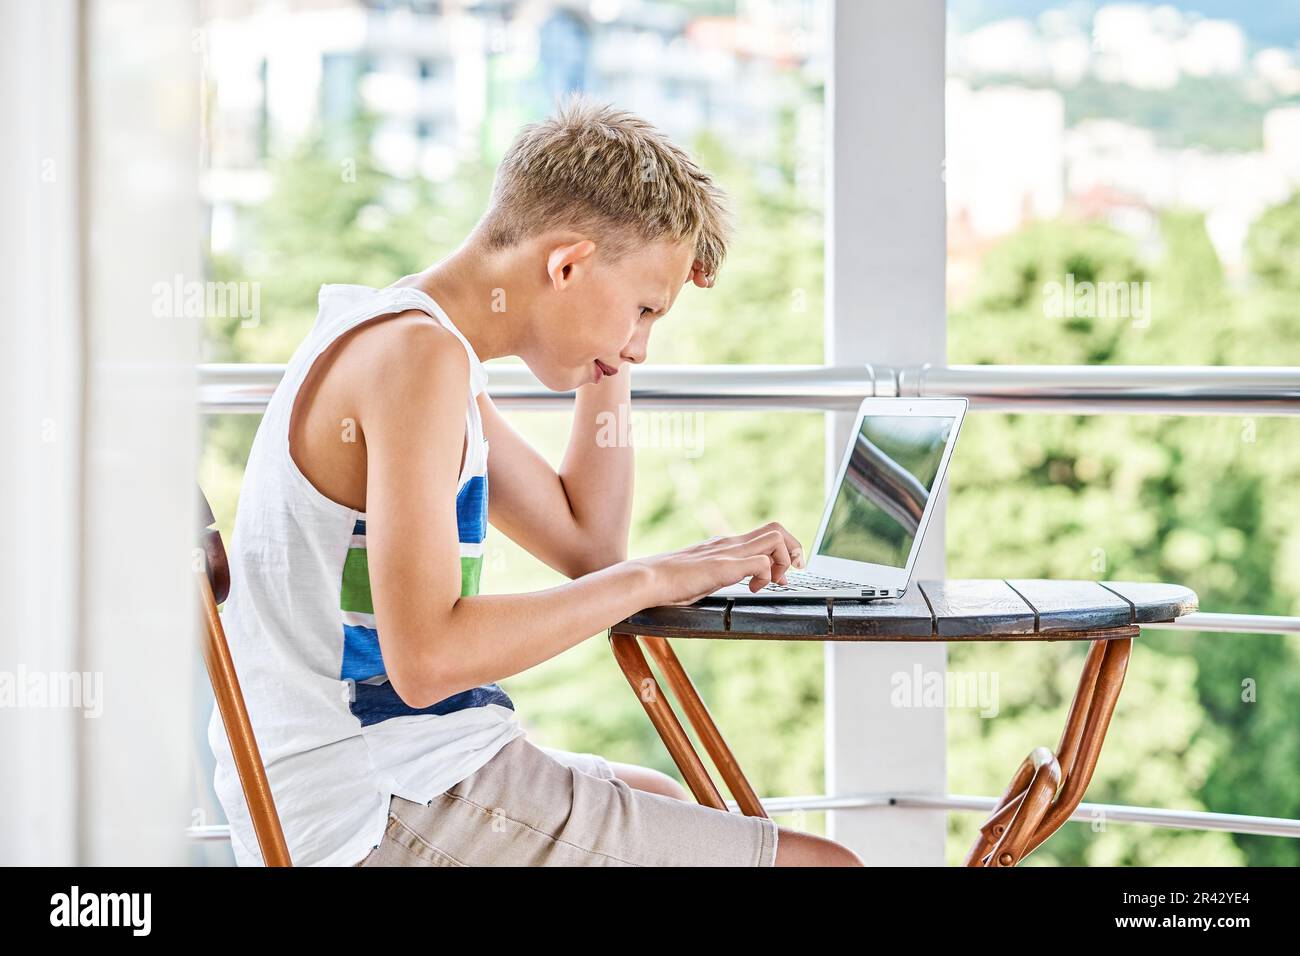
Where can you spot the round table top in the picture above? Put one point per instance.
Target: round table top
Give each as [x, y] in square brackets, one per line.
[949, 610]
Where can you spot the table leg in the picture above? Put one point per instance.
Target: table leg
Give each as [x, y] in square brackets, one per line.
[627, 651]
[1005, 838]
[700, 718]
[1045, 791]
[1034, 803]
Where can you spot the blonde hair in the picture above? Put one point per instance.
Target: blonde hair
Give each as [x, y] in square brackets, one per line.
[593, 167]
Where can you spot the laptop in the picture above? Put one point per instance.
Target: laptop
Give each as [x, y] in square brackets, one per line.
[873, 525]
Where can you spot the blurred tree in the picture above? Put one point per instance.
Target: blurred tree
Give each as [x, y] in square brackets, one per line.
[1274, 246]
[1203, 501]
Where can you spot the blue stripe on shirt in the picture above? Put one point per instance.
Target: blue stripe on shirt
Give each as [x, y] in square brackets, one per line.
[376, 703]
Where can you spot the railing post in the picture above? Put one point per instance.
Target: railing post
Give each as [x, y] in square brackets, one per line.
[885, 264]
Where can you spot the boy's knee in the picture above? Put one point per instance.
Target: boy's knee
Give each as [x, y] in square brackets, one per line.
[651, 781]
[668, 787]
[846, 857]
[795, 848]
[837, 854]
[674, 789]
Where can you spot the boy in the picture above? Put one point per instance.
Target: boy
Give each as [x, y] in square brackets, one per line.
[367, 655]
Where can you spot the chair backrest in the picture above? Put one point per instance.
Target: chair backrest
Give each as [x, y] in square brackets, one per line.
[213, 580]
[214, 552]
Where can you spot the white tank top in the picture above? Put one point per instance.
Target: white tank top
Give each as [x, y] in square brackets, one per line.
[336, 739]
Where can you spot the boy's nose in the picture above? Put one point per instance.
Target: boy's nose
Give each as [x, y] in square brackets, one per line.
[635, 351]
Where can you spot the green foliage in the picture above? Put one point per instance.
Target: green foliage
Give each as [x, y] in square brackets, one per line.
[1274, 246]
[1216, 113]
[767, 304]
[1207, 502]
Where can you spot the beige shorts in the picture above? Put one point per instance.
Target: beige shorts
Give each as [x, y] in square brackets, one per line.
[537, 806]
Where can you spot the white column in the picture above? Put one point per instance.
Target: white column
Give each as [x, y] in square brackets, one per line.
[885, 290]
[99, 431]
[142, 102]
[40, 392]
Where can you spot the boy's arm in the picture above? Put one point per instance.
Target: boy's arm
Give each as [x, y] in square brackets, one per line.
[411, 411]
[435, 643]
[576, 520]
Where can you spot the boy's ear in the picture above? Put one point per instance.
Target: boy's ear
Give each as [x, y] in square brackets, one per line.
[701, 278]
[564, 260]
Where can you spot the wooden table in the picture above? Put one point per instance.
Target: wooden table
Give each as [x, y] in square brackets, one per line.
[1048, 785]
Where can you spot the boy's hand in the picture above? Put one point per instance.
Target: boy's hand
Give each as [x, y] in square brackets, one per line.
[763, 555]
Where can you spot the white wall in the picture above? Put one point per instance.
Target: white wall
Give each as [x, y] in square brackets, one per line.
[885, 289]
[40, 479]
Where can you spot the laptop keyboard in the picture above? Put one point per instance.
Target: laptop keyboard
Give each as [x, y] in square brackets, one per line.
[802, 581]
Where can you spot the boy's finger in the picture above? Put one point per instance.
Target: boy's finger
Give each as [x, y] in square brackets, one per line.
[757, 568]
[759, 573]
[792, 545]
[777, 530]
[781, 561]
[775, 552]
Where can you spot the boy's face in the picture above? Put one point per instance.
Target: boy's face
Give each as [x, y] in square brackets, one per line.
[594, 310]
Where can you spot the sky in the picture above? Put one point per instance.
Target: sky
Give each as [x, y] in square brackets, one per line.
[1266, 22]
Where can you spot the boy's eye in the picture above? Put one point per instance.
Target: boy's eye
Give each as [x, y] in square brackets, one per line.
[645, 309]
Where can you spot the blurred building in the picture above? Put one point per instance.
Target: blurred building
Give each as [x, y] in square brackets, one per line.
[1012, 157]
[448, 82]
[1145, 46]
[1005, 155]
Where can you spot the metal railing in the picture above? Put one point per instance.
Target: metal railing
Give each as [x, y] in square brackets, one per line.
[1232, 623]
[1070, 389]
[1083, 813]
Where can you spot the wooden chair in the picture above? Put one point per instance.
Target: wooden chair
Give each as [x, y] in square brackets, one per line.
[212, 576]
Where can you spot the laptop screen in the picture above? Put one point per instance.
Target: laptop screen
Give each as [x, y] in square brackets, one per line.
[882, 496]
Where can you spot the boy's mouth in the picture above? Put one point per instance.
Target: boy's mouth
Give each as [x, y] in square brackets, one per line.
[604, 369]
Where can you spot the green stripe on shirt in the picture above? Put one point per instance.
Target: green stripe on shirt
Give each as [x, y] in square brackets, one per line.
[355, 591]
